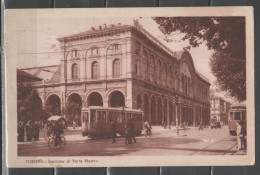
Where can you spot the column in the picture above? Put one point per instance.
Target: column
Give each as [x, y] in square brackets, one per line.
[194, 115]
[176, 114]
[156, 112]
[168, 114]
[149, 111]
[181, 114]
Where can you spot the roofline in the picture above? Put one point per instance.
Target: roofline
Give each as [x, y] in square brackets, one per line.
[56, 65]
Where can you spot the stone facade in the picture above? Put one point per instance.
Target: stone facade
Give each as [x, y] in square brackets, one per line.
[124, 65]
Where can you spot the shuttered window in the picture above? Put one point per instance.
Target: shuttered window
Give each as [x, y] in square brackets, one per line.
[95, 70]
[116, 68]
[75, 71]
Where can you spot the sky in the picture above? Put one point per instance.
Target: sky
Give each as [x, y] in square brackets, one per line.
[37, 41]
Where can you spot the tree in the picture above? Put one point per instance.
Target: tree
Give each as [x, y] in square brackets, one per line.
[73, 109]
[29, 105]
[224, 35]
[231, 74]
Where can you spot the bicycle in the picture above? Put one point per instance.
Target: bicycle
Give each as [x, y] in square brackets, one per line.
[148, 132]
[61, 142]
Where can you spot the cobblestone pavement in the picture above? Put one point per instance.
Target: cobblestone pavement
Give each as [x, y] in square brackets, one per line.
[162, 142]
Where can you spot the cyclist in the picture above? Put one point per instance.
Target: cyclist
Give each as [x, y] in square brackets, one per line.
[148, 128]
[57, 131]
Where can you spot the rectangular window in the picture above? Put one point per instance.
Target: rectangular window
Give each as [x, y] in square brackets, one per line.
[92, 116]
[115, 116]
[237, 116]
[101, 117]
[85, 117]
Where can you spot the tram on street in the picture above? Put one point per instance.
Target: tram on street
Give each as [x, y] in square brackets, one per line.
[96, 120]
[237, 113]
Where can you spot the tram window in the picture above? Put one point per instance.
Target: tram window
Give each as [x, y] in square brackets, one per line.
[129, 116]
[114, 116]
[123, 117]
[243, 115]
[85, 117]
[92, 116]
[237, 115]
[231, 116]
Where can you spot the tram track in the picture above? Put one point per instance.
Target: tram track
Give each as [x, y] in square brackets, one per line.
[215, 143]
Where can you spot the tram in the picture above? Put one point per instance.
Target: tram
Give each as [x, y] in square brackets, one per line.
[237, 113]
[96, 120]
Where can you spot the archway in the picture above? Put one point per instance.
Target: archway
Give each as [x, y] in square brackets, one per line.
[165, 110]
[153, 111]
[159, 114]
[117, 99]
[171, 119]
[146, 108]
[53, 105]
[73, 109]
[94, 99]
[139, 102]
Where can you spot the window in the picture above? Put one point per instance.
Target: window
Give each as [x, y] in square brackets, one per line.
[237, 115]
[137, 47]
[92, 116]
[95, 71]
[116, 47]
[75, 71]
[94, 51]
[74, 53]
[101, 117]
[116, 68]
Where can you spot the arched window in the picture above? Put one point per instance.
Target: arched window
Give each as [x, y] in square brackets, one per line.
[159, 70]
[74, 53]
[146, 63]
[153, 70]
[94, 51]
[164, 74]
[95, 71]
[75, 71]
[170, 77]
[116, 68]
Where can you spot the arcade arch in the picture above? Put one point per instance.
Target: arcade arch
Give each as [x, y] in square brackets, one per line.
[94, 99]
[116, 99]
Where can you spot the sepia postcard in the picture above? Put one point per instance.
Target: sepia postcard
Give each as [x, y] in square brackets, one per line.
[124, 87]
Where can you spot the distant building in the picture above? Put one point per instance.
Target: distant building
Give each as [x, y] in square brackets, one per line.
[124, 65]
[219, 109]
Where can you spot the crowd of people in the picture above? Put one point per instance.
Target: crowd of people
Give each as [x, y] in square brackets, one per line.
[129, 131]
[31, 128]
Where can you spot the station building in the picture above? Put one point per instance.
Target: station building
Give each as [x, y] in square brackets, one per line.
[124, 65]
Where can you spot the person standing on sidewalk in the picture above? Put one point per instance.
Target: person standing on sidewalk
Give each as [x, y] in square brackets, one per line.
[239, 135]
[113, 131]
[200, 126]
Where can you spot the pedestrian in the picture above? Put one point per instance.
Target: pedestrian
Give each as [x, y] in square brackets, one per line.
[200, 126]
[74, 123]
[239, 135]
[128, 139]
[132, 131]
[36, 131]
[20, 131]
[113, 131]
[29, 131]
[165, 124]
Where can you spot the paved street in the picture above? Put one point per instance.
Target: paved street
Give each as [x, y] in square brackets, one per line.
[162, 142]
